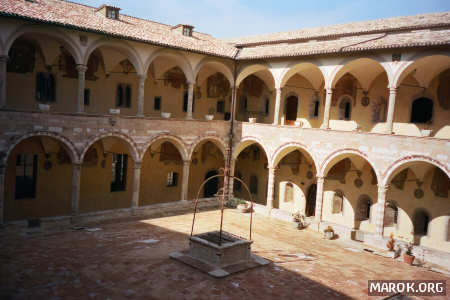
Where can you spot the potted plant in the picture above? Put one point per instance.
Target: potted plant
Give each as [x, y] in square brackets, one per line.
[408, 257]
[252, 119]
[298, 219]
[328, 233]
[391, 243]
[210, 114]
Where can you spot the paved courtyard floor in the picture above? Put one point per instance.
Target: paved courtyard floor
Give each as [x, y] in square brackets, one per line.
[128, 259]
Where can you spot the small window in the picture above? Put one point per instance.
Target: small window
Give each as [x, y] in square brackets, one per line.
[390, 214]
[316, 109]
[267, 104]
[253, 184]
[119, 172]
[87, 97]
[364, 204]
[338, 201]
[187, 31]
[45, 87]
[172, 179]
[422, 110]
[221, 106]
[157, 103]
[345, 109]
[123, 95]
[289, 192]
[112, 13]
[237, 185]
[26, 175]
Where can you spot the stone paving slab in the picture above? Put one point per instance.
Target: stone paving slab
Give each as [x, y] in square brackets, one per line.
[115, 263]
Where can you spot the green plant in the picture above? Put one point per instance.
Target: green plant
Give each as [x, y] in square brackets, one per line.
[408, 248]
[234, 202]
[211, 111]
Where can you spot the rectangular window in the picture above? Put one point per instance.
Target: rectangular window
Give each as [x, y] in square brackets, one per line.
[316, 109]
[267, 107]
[172, 179]
[157, 103]
[221, 106]
[87, 97]
[26, 175]
[123, 95]
[119, 172]
[45, 87]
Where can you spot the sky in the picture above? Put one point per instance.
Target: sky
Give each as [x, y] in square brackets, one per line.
[237, 18]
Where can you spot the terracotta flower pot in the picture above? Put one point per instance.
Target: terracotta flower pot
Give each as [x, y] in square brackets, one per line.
[409, 259]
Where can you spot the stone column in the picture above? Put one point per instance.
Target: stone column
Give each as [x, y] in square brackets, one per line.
[233, 103]
[276, 114]
[379, 212]
[76, 179]
[137, 167]
[2, 193]
[81, 84]
[326, 113]
[141, 92]
[190, 100]
[391, 111]
[231, 183]
[3, 74]
[270, 189]
[185, 180]
[319, 199]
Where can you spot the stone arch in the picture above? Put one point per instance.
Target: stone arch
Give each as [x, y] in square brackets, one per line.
[390, 170]
[296, 67]
[411, 63]
[128, 141]
[326, 164]
[287, 148]
[56, 34]
[250, 69]
[213, 138]
[176, 141]
[124, 48]
[181, 60]
[247, 141]
[220, 66]
[346, 65]
[73, 153]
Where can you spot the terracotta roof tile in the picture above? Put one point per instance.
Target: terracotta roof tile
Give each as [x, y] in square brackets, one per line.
[85, 17]
[355, 28]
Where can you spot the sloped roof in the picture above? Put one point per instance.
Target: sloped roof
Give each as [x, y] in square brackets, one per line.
[84, 17]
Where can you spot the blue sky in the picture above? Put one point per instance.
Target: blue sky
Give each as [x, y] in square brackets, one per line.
[235, 18]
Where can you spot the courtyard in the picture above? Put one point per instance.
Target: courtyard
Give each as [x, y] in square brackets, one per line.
[128, 258]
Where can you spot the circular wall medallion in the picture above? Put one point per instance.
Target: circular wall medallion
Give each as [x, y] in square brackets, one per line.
[365, 101]
[418, 193]
[358, 182]
[309, 174]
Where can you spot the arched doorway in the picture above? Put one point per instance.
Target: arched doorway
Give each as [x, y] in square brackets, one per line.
[310, 208]
[291, 110]
[212, 186]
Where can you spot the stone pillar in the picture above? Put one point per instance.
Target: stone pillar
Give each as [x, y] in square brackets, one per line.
[270, 189]
[326, 113]
[391, 111]
[76, 179]
[136, 184]
[190, 100]
[141, 92]
[379, 212]
[319, 199]
[233, 103]
[231, 183]
[81, 84]
[3, 74]
[185, 180]
[276, 114]
[2, 193]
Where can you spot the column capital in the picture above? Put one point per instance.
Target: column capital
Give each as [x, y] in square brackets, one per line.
[393, 90]
[137, 165]
[320, 178]
[186, 162]
[383, 187]
[77, 165]
[329, 90]
[81, 68]
[4, 58]
[142, 76]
